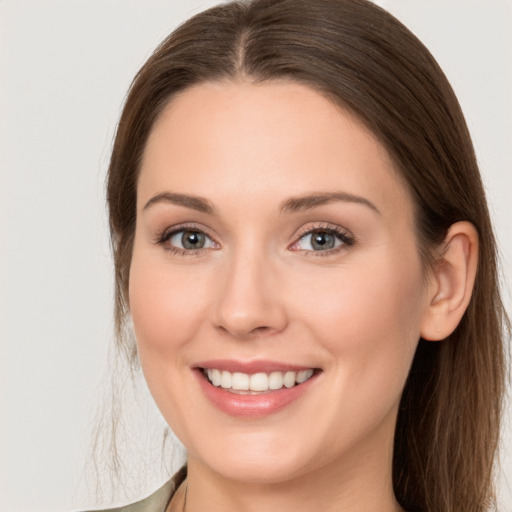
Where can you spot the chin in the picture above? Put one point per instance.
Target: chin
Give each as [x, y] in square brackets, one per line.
[259, 472]
[258, 459]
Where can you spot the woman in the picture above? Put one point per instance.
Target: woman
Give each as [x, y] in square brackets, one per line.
[302, 241]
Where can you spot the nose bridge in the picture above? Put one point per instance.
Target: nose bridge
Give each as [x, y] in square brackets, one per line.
[249, 299]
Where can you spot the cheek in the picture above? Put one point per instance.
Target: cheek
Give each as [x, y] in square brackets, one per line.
[167, 307]
[368, 318]
[166, 304]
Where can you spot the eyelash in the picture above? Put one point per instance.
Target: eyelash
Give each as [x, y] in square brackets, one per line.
[347, 240]
[342, 234]
[166, 235]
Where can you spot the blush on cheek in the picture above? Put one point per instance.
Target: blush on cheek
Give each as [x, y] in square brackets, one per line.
[373, 322]
[148, 307]
[166, 303]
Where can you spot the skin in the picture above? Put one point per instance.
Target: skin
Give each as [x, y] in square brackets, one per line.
[258, 291]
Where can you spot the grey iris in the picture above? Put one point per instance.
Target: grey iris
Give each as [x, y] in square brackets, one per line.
[192, 240]
[322, 240]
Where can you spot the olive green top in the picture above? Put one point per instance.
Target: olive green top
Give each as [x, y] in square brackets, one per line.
[156, 502]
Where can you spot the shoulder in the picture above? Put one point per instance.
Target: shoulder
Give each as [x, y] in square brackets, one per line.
[156, 502]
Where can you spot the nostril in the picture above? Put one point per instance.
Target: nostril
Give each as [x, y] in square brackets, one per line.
[262, 329]
[249, 333]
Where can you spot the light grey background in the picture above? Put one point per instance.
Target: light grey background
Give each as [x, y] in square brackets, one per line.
[64, 70]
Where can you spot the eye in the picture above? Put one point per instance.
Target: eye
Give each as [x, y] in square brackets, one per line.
[187, 239]
[322, 240]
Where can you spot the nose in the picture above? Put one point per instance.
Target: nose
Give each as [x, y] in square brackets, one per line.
[251, 298]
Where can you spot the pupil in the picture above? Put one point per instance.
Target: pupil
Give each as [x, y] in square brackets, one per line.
[322, 240]
[192, 240]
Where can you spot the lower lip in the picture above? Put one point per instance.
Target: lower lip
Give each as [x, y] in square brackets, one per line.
[252, 405]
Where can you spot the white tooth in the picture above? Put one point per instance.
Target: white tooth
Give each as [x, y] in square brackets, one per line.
[209, 373]
[289, 379]
[216, 377]
[258, 382]
[304, 375]
[240, 381]
[225, 380]
[275, 380]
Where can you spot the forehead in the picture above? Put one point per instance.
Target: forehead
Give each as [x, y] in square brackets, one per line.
[264, 141]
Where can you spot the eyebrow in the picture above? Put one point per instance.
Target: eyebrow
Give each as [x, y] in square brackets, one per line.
[293, 204]
[193, 202]
[296, 204]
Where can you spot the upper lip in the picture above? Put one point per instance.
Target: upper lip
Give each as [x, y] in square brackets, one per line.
[251, 367]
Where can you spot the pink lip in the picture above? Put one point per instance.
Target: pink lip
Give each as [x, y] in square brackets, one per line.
[250, 367]
[255, 406]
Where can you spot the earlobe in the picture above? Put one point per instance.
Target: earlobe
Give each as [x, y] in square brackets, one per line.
[452, 282]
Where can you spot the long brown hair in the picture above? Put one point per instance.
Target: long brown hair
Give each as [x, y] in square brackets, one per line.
[361, 57]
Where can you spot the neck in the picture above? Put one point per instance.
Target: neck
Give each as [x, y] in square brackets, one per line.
[360, 481]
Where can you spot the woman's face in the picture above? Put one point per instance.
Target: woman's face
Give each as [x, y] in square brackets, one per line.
[274, 244]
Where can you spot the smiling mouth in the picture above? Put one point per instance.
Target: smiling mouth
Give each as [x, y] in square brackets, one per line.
[256, 383]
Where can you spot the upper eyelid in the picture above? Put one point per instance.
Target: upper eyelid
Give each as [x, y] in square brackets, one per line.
[326, 226]
[172, 230]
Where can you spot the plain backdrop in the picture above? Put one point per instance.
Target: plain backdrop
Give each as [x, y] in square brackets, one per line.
[65, 67]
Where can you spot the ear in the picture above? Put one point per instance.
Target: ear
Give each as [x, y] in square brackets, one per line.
[452, 282]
